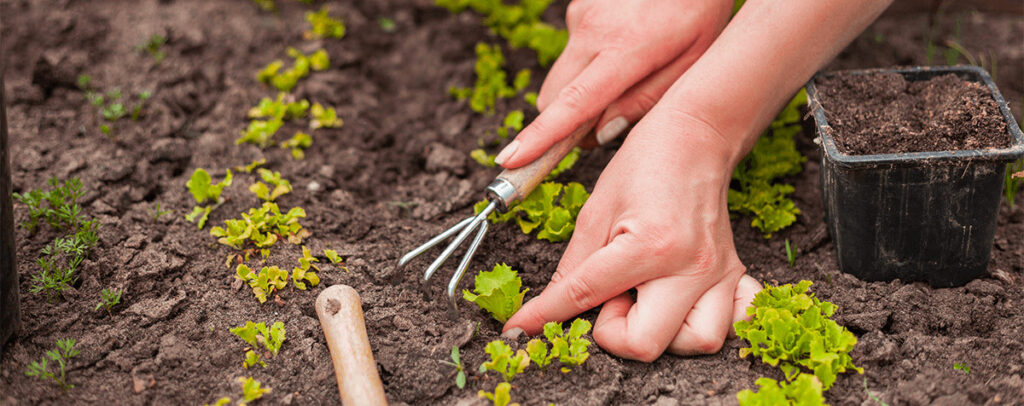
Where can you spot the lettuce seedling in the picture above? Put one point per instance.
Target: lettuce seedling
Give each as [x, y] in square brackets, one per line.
[792, 329]
[491, 80]
[513, 122]
[61, 356]
[252, 165]
[298, 144]
[265, 282]
[571, 348]
[323, 26]
[565, 164]
[333, 256]
[460, 376]
[538, 352]
[497, 291]
[805, 390]
[260, 132]
[257, 334]
[519, 24]
[387, 24]
[539, 211]
[264, 192]
[530, 98]
[108, 299]
[286, 80]
[500, 397]
[302, 273]
[284, 107]
[252, 358]
[483, 158]
[504, 361]
[962, 367]
[324, 117]
[262, 226]
[203, 189]
[153, 46]
[251, 390]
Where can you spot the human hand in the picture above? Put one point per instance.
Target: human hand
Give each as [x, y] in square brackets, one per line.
[620, 59]
[657, 222]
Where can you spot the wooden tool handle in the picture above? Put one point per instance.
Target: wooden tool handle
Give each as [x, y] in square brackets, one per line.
[525, 178]
[341, 316]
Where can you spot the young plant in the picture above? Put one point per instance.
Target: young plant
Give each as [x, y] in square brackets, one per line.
[571, 348]
[284, 107]
[61, 259]
[264, 192]
[805, 390]
[153, 46]
[491, 80]
[387, 24]
[257, 334]
[252, 165]
[500, 397]
[323, 26]
[156, 213]
[286, 80]
[790, 254]
[204, 190]
[264, 283]
[262, 226]
[497, 291]
[538, 352]
[302, 273]
[519, 24]
[58, 206]
[60, 356]
[504, 361]
[539, 211]
[298, 144]
[108, 299]
[260, 132]
[251, 390]
[460, 376]
[324, 117]
[792, 329]
[962, 367]
[112, 106]
[336, 259]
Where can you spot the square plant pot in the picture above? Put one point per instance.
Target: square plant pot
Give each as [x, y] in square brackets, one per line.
[920, 216]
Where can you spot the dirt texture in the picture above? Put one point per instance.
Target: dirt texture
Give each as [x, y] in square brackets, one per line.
[884, 113]
[395, 174]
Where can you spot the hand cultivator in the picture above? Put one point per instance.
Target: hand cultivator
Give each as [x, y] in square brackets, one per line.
[510, 186]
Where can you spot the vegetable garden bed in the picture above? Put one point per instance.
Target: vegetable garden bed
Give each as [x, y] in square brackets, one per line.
[394, 174]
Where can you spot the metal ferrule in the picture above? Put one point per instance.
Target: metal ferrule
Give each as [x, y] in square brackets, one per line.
[502, 192]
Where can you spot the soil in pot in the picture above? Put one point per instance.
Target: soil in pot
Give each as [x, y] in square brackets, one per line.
[884, 113]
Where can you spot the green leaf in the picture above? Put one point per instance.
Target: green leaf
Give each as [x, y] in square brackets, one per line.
[323, 26]
[504, 361]
[805, 390]
[497, 292]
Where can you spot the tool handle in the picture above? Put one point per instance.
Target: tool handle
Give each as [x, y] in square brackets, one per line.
[522, 180]
[341, 316]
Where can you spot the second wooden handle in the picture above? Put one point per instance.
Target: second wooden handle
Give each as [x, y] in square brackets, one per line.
[341, 316]
[526, 178]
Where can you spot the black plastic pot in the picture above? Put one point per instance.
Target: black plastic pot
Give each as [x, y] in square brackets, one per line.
[923, 216]
[10, 313]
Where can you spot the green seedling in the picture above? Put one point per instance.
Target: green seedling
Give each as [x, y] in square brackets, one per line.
[156, 213]
[224, 401]
[805, 390]
[253, 358]
[491, 80]
[251, 390]
[872, 395]
[260, 132]
[153, 46]
[519, 24]
[302, 273]
[497, 292]
[298, 144]
[792, 329]
[202, 188]
[460, 376]
[790, 254]
[538, 352]
[513, 122]
[962, 367]
[504, 361]
[571, 348]
[284, 107]
[112, 105]
[387, 24]
[108, 299]
[323, 26]
[565, 164]
[266, 5]
[257, 335]
[58, 206]
[262, 226]
[500, 397]
[333, 256]
[61, 258]
[551, 208]
[324, 117]
[60, 356]
[251, 166]
[273, 178]
[483, 158]
[530, 98]
[264, 283]
[285, 80]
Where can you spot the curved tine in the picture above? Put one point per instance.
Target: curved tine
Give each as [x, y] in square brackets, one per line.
[453, 284]
[433, 241]
[458, 240]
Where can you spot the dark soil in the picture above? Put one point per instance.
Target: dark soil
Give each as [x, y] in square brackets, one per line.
[397, 173]
[884, 113]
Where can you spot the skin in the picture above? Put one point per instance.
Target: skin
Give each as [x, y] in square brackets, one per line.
[653, 245]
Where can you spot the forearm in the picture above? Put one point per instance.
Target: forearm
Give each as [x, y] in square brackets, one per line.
[763, 56]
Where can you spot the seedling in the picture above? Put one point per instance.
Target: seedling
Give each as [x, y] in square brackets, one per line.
[513, 122]
[204, 190]
[61, 356]
[61, 259]
[264, 283]
[323, 26]
[571, 348]
[500, 397]
[538, 352]
[790, 254]
[302, 273]
[257, 334]
[460, 376]
[805, 390]
[497, 291]
[324, 117]
[251, 166]
[872, 395]
[792, 329]
[153, 46]
[264, 192]
[483, 158]
[298, 144]
[252, 358]
[519, 24]
[113, 105]
[251, 390]
[333, 256]
[539, 211]
[284, 107]
[286, 80]
[58, 206]
[266, 5]
[491, 80]
[108, 299]
[504, 361]
[387, 24]
[962, 367]
[530, 98]
[156, 213]
[262, 226]
[260, 132]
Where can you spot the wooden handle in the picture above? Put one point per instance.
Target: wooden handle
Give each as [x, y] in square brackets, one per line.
[341, 316]
[525, 178]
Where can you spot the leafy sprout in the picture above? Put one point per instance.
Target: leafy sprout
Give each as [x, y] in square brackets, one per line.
[387, 24]
[570, 348]
[263, 283]
[262, 227]
[790, 254]
[153, 46]
[60, 357]
[202, 188]
[156, 213]
[491, 80]
[298, 144]
[504, 361]
[303, 273]
[257, 335]
[286, 79]
[108, 299]
[460, 376]
[273, 178]
[497, 292]
[324, 117]
[57, 206]
[962, 367]
[805, 390]
[551, 208]
[323, 25]
[500, 397]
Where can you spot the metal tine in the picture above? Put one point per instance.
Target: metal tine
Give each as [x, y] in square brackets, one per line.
[453, 284]
[433, 241]
[458, 240]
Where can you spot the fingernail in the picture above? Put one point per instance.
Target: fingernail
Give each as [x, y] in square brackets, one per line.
[507, 153]
[611, 130]
[513, 333]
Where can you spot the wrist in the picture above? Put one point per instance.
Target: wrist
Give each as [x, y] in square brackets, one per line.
[689, 144]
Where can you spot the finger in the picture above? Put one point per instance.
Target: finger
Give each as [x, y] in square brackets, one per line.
[708, 322]
[644, 329]
[588, 237]
[602, 276]
[600, 83]
[745, 292]
[641, 98]
[569, 64]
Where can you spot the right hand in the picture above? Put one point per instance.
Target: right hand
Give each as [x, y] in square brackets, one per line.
[620, 59]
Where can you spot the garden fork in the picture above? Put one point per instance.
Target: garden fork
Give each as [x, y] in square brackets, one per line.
[510, 186]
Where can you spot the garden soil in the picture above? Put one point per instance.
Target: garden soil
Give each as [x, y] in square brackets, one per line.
[395, 174]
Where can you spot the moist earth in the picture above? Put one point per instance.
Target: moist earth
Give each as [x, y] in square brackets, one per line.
[394, 175]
